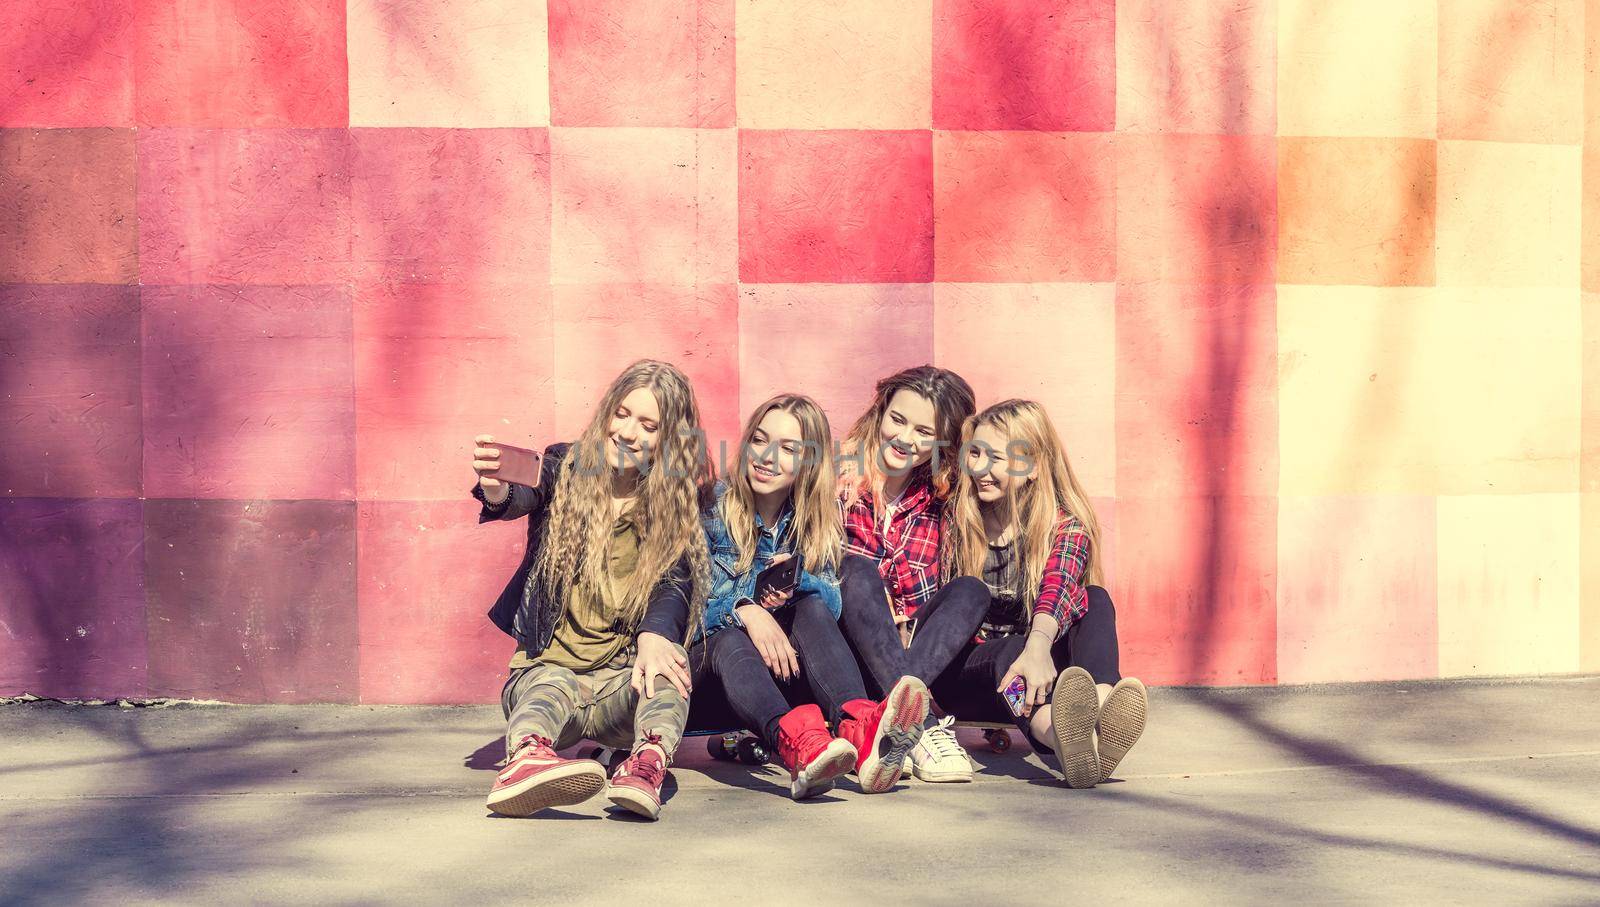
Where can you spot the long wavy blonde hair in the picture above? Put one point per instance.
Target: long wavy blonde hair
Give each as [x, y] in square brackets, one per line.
[816, 529]
[667, 510]
[953, 402]
[1036, 506]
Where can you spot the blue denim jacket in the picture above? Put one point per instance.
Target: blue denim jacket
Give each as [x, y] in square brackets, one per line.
[730, 589]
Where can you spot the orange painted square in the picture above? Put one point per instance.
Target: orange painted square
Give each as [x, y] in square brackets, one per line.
[67, 207]
[1356, 211]
[1024, 206]
[438, 364]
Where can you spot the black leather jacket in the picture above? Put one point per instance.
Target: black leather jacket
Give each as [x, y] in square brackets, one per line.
[524, 611]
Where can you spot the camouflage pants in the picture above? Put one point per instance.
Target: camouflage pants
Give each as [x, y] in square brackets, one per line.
[567, 706]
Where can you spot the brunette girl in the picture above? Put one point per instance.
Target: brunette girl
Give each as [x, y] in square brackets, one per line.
[613, 576]
[899, 618]
[1020, 520]
[775, 661]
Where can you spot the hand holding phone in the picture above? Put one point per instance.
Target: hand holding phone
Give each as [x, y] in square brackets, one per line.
[782, 577]
[1016, 694]
[497, 463]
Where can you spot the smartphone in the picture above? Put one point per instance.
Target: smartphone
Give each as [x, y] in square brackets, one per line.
[780, 577]
[1016, 693]
[518, 464]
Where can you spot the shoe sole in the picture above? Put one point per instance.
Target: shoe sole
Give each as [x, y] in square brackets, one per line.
[1074, 706]
[838, 758]
[898, 732]
[1121, 723]
[563, 785]
[932, 777]
[640, 804]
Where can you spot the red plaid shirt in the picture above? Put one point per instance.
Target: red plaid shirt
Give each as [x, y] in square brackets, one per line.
[907, 551]
[1064, 588]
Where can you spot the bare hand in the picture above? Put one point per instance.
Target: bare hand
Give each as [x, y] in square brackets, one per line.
[773, 644]
[486, 462]
[1038, 671]
[659, 657]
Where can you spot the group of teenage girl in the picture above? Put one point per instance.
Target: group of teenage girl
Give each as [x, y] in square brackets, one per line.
[946, 558]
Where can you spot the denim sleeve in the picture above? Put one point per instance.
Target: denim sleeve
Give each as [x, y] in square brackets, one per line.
[826, 585]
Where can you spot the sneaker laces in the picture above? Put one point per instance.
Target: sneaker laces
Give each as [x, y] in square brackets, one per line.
[527, 742]
[940, 739]
[650, 771]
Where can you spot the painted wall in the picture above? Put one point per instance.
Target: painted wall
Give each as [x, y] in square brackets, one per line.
[1305, 283]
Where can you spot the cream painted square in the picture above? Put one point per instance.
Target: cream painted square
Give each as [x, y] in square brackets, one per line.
[450, 63]
[1358, 67]
[1508, 215]
[834, 64]
[1508, 584]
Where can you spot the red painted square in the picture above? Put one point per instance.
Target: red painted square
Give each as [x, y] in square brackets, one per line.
[71, 598]
[252, 601]
[69, 363]
[67, 210]
[835, 207]
[1197, 391]
[886, 328]
[1020, 64]
[1357, 589]
[235, 63]
[1020, 207]
[1195, 589]
[425, 633]
[1200, 208]
[66, 64]
[248, 393]
[451, 204]
[437, 365]
[268, 206]
[637, 63]
[601, 328]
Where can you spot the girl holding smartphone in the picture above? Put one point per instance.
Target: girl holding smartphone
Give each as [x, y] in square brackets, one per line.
[612, 580]
[899, 616]
[774, 660]
[1019, 520]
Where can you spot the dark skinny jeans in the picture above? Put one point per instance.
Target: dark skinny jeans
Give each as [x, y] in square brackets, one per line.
[733, 687]
[945, 625]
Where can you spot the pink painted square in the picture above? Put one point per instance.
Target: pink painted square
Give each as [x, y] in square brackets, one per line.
[1020, 207]
[72, 598]
[782, 348]
[450, 205]
[1051, 343]
[67, 206]
[265, 206]
[252, 601]
[1197, 391]
[435, 366]
[1019, 64]
[1197, 208]
[1357, 589]
[601, 328]
[1195, 589]
[235, 63]
[637, 63]
[67, 64]
[70, 368]
[425, 633]
[1203, 68]
[835, 207]
[248, 393]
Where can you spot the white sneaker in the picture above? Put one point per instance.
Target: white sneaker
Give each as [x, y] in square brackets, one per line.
[939, 757]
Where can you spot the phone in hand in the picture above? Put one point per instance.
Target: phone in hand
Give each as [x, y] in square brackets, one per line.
[780, 577]
[1016, 694]
[518, 464]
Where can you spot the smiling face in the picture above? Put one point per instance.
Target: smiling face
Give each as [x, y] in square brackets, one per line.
[991, 469]
[906, 434]
[631, 437]
[775, 452]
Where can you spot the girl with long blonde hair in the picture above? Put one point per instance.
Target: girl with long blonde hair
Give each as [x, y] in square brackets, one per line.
[613, 579]
[774, 660]
[1020, 520]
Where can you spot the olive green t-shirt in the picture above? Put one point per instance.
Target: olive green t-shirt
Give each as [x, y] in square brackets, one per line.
[587, 635]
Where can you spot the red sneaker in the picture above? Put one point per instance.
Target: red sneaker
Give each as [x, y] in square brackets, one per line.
[884, 732]
[636, 784]
[813, 756]
[536, 778]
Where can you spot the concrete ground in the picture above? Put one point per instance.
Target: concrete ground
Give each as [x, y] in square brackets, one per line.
[1481, 792]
